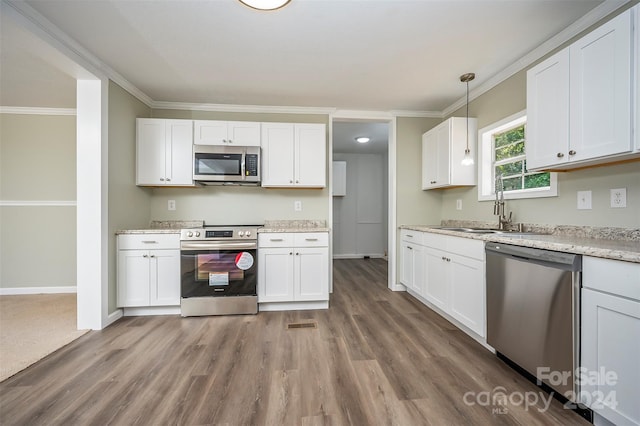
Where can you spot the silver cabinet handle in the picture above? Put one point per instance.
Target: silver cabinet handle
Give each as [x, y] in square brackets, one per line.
[275, 239]
[153, 255]
[290, 253]
[560, 155]
[168, 180]
[409, 235]
[290, 181]
[311, 239]
[161, 179]
[297, 181]
[410, 248]
[433, 181]
[572, 152]
[150, 242]
[145, 255]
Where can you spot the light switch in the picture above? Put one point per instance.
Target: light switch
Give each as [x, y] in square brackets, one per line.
[171, 205]
[458, 204]
[297, 206]
[584, 200]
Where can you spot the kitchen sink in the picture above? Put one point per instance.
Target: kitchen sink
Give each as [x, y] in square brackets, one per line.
[488, 231]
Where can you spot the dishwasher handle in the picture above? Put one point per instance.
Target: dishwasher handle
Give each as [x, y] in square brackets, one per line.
[550, 258]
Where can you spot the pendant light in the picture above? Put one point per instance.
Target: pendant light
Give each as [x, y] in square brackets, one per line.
[265, 4]
[468, 158]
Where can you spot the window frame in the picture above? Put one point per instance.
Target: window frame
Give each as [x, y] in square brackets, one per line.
[486, 179]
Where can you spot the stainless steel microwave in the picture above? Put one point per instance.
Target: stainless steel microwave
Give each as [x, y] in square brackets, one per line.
[226, 165]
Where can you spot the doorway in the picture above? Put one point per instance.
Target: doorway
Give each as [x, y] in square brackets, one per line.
[361, 196]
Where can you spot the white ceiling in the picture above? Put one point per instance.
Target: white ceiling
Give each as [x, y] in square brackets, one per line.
[347, 54]
[345, 134]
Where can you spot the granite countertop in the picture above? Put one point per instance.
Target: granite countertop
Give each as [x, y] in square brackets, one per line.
[609, 243]
[294, 226]
[164, 227]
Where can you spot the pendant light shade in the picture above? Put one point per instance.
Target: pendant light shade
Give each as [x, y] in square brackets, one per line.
[265, 4]
[468, 158]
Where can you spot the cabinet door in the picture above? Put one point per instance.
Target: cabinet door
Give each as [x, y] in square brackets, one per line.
[210, 132]
[165, 277]
[133, 278]
[243, 133]
[151, 152]
[275, 275]
[277, 154]
[179, 160]
[443, 174]
[429, 159]
[407, 265]
[548, 112]
[310, 155]
[611, 344]
[601, 91]
[437, 277]
[466, 292]
[311, 268]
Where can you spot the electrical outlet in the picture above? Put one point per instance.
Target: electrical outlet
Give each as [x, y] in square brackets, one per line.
[171, 205]
[618, 198]
[297, 206]
[458, 204]
[584, 200]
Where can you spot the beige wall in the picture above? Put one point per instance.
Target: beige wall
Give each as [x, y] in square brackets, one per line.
[37, 164]
[239, 205]
[129, 205]
[508, 98]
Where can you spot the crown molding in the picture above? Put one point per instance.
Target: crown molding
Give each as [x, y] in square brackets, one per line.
[37, 110]
[594, 16]
[241, 108]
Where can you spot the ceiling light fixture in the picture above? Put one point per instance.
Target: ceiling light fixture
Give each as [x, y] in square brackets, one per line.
[362, 139]
[265, 4]
[468, 158]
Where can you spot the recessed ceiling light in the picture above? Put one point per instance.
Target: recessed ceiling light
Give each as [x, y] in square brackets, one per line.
[265, 4]
[362, 139]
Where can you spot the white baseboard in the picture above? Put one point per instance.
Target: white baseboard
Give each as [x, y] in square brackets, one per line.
[292, 306]
[37, 290]
[358, 256]
[113, 317]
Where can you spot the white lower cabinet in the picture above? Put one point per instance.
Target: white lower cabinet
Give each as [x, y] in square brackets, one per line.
[293, 269]
[610, 356]
[412, 265]
[448, 273]
[148, 270]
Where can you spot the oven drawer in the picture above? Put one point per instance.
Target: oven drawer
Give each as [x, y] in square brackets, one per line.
[311, 239]
[275, 240]
[148, 241]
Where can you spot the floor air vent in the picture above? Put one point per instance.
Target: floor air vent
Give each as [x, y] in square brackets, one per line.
[297, 325]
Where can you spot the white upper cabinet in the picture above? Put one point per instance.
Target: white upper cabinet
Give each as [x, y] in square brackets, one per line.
[213, 132]
[442, 153]
[164, 152]
[579, 101]
[294, 155]
[636, 73]
[548, 111]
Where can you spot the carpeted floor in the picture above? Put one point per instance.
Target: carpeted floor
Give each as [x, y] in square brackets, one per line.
[32, 327]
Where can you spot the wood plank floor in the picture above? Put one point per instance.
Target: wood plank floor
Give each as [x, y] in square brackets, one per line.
[376, 358]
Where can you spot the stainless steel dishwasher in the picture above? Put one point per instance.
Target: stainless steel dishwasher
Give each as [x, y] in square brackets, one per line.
[533, 312]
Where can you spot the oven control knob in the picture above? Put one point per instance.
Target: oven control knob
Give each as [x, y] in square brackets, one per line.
[248, 233]
[197, 234]
[189, 234]
[240, 233]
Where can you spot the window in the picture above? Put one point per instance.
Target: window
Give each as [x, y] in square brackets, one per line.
[502, 153]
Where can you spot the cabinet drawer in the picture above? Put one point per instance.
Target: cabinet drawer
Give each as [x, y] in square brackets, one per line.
[148, 241]
[459, 245]
[409, 236]
[611, 276]
[311, 239]
[275, 240]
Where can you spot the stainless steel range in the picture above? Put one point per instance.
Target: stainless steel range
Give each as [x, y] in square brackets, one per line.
[218, 269]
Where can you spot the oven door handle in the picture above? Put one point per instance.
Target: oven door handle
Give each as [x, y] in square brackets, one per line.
[212, 245]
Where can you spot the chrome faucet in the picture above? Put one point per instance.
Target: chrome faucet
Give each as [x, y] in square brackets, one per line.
[498, 205]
